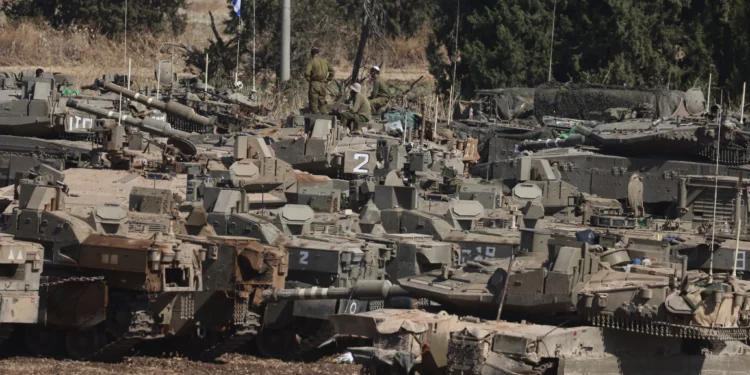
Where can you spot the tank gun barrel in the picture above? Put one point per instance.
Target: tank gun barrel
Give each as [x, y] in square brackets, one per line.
[362, 290]
[573, 140]
[149, 125]
[584, 136]
[171, 108]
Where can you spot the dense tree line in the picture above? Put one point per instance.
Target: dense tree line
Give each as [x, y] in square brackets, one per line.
[104, 16]
[667, 43]
[501, 43]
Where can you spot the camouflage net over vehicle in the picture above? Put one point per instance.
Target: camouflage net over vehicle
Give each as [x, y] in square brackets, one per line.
[589, 102]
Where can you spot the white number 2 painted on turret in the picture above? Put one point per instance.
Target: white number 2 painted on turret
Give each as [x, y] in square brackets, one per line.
[303, 257]
[359, 169]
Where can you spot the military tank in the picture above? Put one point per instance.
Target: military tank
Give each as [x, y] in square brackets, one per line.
[396, 341]
[588, 284]
[110, 288]
[21, 284]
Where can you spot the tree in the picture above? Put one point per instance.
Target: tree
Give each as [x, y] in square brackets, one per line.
[501, 43]
[661, 44]
[104, 16]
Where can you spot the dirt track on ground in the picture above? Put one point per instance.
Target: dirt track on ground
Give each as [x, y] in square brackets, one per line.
[228, 364]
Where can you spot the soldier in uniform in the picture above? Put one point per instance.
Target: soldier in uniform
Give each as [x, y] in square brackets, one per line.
[360, 111]
[381, 93]
[318, 73]
[39, 73]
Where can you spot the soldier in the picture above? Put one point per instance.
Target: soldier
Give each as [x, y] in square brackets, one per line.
[360, 111]
[39, 73]
[318, 73]
[381, 93]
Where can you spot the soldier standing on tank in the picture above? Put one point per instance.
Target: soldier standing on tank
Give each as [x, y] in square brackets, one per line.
[381, 93]
[360, 111]
[318, 73]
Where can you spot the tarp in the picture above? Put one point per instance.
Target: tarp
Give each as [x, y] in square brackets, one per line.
[590, 102]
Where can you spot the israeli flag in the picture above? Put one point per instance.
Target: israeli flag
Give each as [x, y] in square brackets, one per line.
[237, 4]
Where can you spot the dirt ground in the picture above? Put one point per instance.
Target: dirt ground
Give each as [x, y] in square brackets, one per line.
[228, 364]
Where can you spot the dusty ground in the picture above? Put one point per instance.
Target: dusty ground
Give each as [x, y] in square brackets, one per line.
[231, 364]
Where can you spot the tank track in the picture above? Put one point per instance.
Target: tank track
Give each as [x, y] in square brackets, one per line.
[246, 327]
[727, 155]
[6, 330]
[140, 329]
[310, 344]
[664, 329]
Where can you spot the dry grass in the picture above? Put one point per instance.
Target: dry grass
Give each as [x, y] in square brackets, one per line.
[26, 45]
[205, 6]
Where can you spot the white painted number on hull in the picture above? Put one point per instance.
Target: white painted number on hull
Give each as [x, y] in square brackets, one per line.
[303, 257]
[489, 252]
[359, 169]
[77, 122]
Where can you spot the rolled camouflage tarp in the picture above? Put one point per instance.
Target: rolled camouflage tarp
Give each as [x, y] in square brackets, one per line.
[591, 102]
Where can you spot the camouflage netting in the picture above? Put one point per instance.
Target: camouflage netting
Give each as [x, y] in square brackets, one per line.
[589, 102]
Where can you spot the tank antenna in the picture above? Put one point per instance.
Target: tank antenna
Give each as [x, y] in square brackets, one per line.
[239, 37]
[738, 223]
[742, 106]
[455, 63]
[716, 192]
[505, 284]
[119, 117]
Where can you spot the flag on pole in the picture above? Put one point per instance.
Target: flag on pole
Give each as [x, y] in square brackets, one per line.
[236, 4]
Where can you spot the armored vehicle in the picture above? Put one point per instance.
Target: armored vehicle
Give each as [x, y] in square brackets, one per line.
[322, 147]
[37, 111]
[464, 223]
[20, 284]
[403, 341]
[121, 288]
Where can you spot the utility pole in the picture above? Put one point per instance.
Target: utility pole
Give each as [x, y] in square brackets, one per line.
[286, 39]
[455, 63]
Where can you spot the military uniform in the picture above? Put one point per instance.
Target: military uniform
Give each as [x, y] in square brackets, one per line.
[381, 94]
[318, 73]
[361, 111]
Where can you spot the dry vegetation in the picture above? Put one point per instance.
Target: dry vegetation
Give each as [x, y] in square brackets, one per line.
[88, 56]
[232, 364]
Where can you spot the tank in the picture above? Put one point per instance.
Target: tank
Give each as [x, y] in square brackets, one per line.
[123, 288]
[396, 341]
[593, 287]
[177, 138]
[20, 284]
